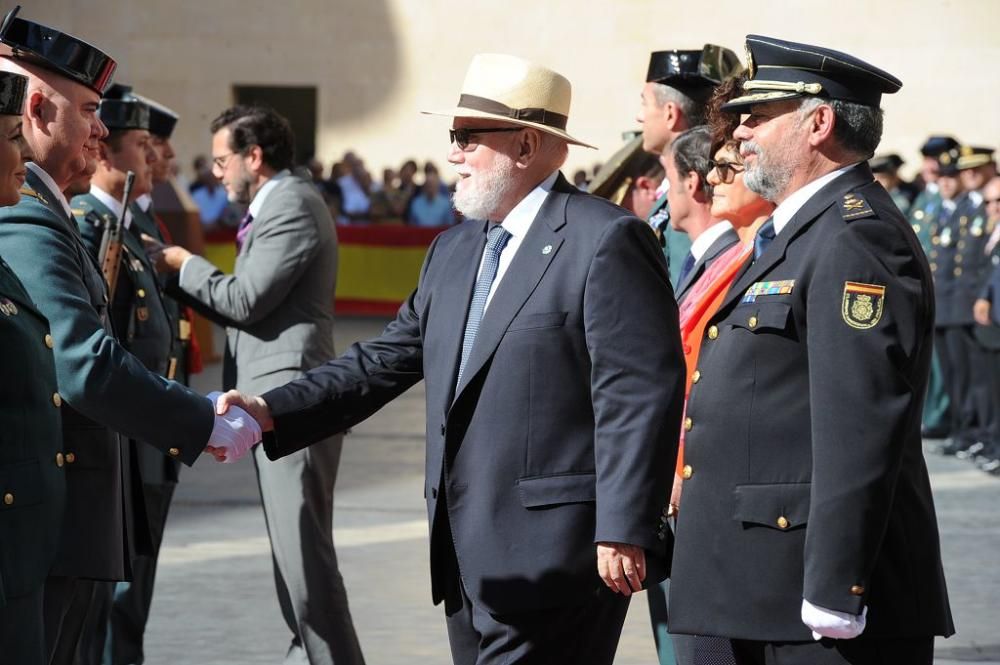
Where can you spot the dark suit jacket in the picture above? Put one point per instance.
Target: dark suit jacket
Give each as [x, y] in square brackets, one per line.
[562, 432]
[959, 263]
[721, 244]
[104, 389]
[32, 479]
[807, 476]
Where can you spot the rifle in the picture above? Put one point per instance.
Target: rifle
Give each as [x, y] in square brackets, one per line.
[111, 241]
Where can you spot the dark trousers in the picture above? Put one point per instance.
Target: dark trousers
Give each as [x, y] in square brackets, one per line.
[22, 633]
[67, 603]
[962, 359]
[860, 651]
[584, 633]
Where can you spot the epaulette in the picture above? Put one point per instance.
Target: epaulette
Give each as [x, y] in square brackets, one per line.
[854, 207]
[28, 191]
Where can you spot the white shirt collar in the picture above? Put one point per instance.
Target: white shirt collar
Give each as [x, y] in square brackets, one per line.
[265, 189]
[144, 202]
[701, 244]
[518, 221]
[111, 203]
[784, 212]
[51, 184]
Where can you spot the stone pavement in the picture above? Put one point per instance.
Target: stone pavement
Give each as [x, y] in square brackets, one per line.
[215, 605]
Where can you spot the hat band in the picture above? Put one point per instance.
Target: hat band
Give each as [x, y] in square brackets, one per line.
[541, 116]
[799, 87]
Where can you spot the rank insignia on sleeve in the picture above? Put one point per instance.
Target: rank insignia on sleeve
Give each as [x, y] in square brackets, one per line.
[862, 305]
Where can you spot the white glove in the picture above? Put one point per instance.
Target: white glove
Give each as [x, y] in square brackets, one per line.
[831, 623]
[235, 432]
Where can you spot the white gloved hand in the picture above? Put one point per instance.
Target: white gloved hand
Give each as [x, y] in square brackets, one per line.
[236, 432]
[831, 623]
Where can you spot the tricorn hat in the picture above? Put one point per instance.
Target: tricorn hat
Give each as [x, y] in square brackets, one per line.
[57, 51]
[507, 88]
[935, 145]
[706, 67]
[122, 114]
[13, 90]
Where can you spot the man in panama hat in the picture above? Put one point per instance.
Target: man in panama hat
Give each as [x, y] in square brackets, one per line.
[550, 441]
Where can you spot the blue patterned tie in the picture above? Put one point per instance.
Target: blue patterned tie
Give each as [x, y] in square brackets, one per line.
[763, 238]
[496, 240]
[686, 267]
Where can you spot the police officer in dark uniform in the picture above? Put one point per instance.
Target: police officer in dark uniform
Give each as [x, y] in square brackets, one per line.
[885, 168]
[987, 314]
[105, 388]
[32, 479]
[807, 531]
[678, 85]
[960, 267]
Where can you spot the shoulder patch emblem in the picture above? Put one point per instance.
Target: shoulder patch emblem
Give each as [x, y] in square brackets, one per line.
[862, 304]
[855, 207]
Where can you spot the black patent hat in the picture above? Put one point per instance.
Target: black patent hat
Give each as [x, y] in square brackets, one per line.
[121, 114]
[161, 119]
[948, 162]
[705, 67]
[13, 90]
[780, 70]
[57, 51]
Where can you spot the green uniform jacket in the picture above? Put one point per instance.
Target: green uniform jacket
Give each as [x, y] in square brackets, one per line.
[676, 244]
[32, 481]
[103, 387]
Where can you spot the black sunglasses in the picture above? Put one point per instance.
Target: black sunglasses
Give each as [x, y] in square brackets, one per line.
[460, 137]
[727, 170]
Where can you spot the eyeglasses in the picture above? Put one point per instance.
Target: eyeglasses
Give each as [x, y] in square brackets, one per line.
[988, 201]
[460, 137]
[727, 170]
[221, 161]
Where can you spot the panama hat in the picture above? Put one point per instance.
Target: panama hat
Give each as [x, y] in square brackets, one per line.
[513, 90]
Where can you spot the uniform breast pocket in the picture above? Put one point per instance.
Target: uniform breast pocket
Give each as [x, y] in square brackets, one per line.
[763, 317]
[20, 485]
[538, 321]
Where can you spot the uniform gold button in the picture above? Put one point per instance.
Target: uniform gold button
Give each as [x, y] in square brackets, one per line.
[688, 424]
[933, 266]
[8, 499]
[964, 219]
[918, 214]
[782, 522]
[958, 258]
[56, 399]
[696, 376]
[141, 293]
[687, 472]
[713, 332]
[60, 459]
[935, 240]
[958, 272]
[752, 322]
[857, 590]
[70, 458]
[174, 452]
[49, 342]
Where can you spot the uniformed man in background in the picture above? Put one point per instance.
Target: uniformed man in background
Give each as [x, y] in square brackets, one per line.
[885, 168]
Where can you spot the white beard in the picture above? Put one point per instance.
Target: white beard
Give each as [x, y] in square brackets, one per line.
[481, 194]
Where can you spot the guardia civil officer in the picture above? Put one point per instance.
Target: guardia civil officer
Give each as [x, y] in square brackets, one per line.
[32, 482]
[678, 85]
[807, 532]
[106, 389]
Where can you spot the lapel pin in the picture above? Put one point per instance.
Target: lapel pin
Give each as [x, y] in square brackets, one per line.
[547, 249]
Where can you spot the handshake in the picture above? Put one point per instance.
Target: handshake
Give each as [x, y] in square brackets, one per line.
[239, 423]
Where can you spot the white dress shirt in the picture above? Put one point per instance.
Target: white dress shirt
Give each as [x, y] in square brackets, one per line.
[144, 202]
[784, 212]
[112, 204]
[517, 223]
[51, 184]
[701, 244]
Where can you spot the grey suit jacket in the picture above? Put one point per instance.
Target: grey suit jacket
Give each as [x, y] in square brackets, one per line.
[278, 304]
[721, 244]
[563, 429]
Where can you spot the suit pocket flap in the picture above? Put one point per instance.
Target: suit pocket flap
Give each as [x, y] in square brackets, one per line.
[764, 316]
[563, 488]
[542, 320]
[20, 485]
[781, 506]
[276, 362]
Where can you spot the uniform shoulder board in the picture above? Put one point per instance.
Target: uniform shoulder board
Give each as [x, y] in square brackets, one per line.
[854, 207]
[28, 191]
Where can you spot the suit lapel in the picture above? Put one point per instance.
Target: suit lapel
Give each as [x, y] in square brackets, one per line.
[807, 214]
[540, 245]
[721, 244]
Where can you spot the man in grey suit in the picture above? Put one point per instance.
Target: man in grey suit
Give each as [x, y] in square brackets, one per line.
[551, 419]
[277, 311]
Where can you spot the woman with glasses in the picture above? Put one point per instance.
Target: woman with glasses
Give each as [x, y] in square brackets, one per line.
[32, 484]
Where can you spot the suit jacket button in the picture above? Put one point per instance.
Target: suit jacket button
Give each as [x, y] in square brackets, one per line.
[56, 399]
[70, 458]
[713, 332]
[687, 472]
[8, 499]
[857, 590]
[174, 452]
[752, 322]
[49, 342]
[60, 459]
[688, 424]
[782, 522]
[696, 376]
[141, 293]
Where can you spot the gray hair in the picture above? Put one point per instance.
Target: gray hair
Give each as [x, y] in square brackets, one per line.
[690, 151]
[857, 127]
[693, 109]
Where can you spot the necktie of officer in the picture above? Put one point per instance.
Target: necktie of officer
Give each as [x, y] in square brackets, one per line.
[496, 240]
[765, 234]
[686, 267]
[242, 230]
